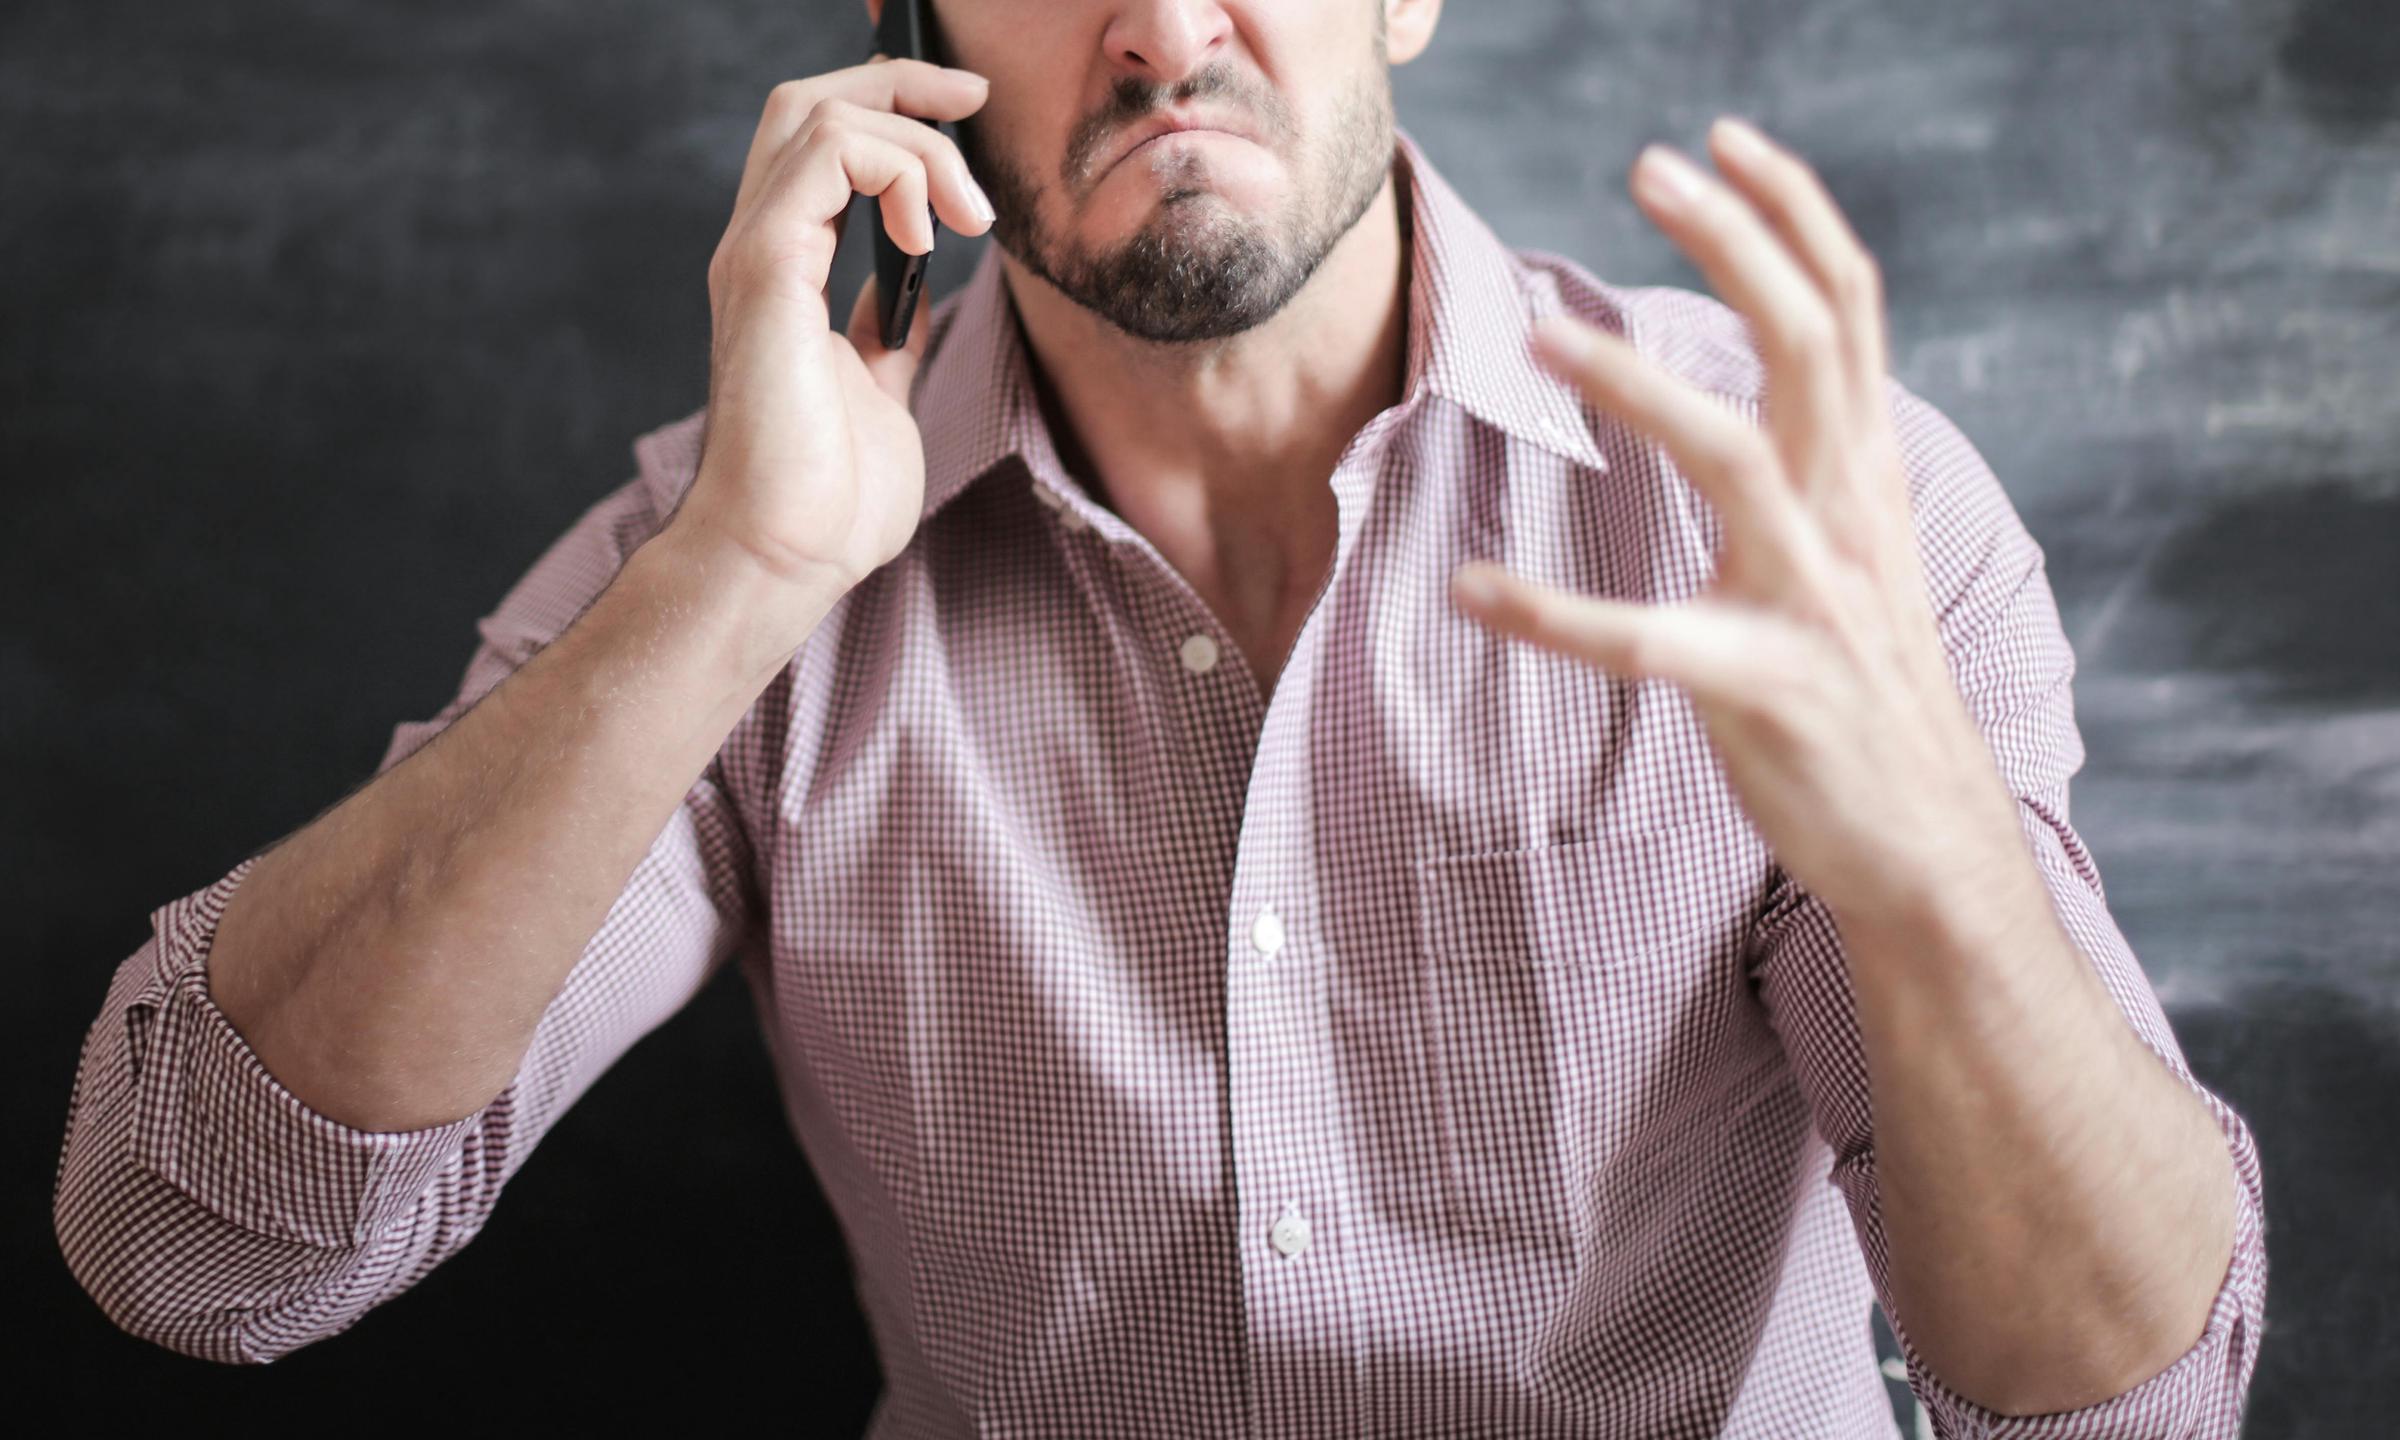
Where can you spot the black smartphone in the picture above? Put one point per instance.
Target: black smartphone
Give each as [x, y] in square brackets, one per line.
[905, 32]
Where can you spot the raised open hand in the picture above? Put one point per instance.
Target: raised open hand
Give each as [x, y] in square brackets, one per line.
[1812, 656]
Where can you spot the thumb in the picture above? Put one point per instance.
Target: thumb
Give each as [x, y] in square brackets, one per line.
[892, 370]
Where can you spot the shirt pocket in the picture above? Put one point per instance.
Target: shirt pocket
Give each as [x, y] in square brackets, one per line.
[1581, 1000]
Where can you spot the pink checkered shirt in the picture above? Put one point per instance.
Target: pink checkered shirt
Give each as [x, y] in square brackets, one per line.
[1435, 1050]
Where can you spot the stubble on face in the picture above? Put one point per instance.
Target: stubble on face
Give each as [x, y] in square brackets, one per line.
[1195, 270]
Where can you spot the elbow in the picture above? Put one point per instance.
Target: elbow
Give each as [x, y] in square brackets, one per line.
[148, 1290]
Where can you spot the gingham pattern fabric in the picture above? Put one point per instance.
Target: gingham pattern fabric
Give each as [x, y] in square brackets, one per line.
[1435, 1050]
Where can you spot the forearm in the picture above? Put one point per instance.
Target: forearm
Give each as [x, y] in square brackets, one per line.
[389, 962]
[2059, 1209]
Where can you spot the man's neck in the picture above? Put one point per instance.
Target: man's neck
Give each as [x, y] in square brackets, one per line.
[1237, 425]
[1221, 455]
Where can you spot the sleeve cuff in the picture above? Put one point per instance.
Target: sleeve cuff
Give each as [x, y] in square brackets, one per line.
[211, 1120]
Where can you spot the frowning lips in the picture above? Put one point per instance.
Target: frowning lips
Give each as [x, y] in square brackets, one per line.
[1169, 122]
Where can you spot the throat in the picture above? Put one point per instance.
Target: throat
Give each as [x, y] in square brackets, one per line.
[1265, 620]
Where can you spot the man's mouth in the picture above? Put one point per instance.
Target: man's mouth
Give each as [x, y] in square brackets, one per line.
[1165, 125]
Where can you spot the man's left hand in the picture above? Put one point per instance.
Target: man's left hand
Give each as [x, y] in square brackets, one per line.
[1812, 657]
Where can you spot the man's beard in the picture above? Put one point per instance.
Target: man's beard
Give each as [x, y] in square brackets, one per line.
[1195, 271]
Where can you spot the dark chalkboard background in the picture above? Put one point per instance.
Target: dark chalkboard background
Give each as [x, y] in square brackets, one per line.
[321, 318]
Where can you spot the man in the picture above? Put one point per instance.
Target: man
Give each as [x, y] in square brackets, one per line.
[1237, 966]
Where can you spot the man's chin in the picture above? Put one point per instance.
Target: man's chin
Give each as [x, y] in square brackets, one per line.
[1174, 216]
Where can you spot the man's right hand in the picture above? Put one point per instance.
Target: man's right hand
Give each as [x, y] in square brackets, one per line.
[812, 467]
[390, 962]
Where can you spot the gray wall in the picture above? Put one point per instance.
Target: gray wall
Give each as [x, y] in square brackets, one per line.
[322, 319]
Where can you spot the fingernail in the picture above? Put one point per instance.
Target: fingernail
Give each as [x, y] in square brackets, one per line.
[971, 75]
[981, 201]
[1740, 139]
[1666, 178]
[1475, 588]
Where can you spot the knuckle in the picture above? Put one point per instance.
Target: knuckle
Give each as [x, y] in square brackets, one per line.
[1795, 174]
[831, 114]
[720, 261]
[733, 267]
[792, 97]
[1809, 330]
[908, 179]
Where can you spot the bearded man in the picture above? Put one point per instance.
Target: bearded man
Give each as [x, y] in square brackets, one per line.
[1338, 829]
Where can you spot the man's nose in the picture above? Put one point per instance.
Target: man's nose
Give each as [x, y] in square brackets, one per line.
[1163, 41]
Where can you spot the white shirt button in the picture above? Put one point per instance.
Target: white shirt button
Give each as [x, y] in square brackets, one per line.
[1200, 654]
[1290, 1235]
[1266, 932]
[1048, 496]
[1072, 520]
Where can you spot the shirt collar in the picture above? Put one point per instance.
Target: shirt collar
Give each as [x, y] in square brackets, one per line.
[1472, 304]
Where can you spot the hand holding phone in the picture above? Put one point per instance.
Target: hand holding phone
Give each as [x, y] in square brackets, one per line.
[811, 470]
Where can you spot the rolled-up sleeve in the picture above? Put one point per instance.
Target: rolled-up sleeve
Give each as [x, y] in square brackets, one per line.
[207, 1208]
[2013, 664]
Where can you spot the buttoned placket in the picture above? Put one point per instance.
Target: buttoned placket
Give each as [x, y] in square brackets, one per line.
[1290, 1156]
[1291, 1180]
[1290, 1160]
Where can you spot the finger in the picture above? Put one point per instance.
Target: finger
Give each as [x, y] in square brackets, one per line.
[1793, 198]
[949, 186]
[907, 87]
[1733, 465]
[1698, 644]
[801, 198]
[907, 217]
[1808, 400]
